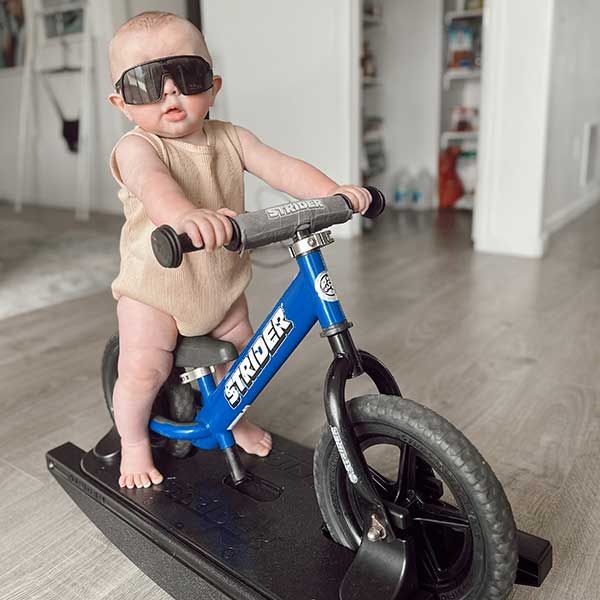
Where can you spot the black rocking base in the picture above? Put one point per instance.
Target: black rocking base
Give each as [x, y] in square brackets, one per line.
[197, 536]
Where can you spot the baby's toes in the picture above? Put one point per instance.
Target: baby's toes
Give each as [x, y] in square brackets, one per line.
[137, 479]
[265, 444]
[145, 480]
[122, 481]
[129, 482]
[155, 476]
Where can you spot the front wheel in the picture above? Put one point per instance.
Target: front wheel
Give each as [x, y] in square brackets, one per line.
[464, 531]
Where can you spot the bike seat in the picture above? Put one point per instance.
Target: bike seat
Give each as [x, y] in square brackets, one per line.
[203, 351]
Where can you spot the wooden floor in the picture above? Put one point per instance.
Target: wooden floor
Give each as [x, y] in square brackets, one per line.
[505, 348]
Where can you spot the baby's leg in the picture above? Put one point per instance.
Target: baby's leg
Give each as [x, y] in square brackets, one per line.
[236, 328]
[147, 337]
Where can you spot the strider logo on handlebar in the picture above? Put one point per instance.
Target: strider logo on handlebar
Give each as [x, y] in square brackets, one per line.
[275, 212]
[264, 346]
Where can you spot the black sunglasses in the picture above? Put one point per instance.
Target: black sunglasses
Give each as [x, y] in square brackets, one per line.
[143, 84]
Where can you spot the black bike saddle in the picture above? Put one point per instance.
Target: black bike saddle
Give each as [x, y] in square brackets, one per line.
[203, 351]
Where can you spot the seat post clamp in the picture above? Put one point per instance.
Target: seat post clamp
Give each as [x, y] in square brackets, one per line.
[194, 374]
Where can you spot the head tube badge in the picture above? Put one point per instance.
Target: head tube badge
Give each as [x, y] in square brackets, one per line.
[324, 287]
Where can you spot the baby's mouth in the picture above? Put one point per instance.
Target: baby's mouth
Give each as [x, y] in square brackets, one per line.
[174, 113]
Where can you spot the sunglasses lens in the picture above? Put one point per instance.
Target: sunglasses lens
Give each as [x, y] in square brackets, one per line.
[192, 74]
[143, 84]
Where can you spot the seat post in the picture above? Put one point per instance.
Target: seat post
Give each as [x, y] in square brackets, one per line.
[204, 377]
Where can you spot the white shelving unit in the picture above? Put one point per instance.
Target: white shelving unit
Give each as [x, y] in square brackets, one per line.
[455, 74]
[458, 136]
[461, 88]
[371, 20]
[454, 15]
[373, 161]
[370, 81]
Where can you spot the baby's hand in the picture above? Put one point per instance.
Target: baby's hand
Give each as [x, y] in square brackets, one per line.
[359, 197]
[207, 229]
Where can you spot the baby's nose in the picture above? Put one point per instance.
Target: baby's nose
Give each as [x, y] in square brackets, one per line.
[170, 87]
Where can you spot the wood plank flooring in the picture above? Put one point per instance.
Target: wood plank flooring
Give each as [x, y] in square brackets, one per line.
[505, 348]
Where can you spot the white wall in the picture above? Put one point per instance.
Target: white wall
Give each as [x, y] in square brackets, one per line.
[290, 75]
[409, 52]
[574, 101]
[514, 124]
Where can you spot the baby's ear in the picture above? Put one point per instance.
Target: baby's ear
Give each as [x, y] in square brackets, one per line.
[116, 100]
[217, 84]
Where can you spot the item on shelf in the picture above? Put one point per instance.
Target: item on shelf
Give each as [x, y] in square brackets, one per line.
[464, 118]
[364, 161]
[474, 5]
[373, 9]
[422, 197]
[460, 45]
[372, 124]
[466, 169]
[373, 146]
[477, 43]
[450, 187]
[375, 153]
[463, 42]
[367, 61]
[403, 189]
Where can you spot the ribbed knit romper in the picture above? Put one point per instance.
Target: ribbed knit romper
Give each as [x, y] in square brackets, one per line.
[199, 293]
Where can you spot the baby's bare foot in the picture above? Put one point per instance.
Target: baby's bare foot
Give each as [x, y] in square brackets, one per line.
[137, 466]
[252, 438]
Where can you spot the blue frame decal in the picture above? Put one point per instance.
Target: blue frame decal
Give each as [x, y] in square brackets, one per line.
[259, 353]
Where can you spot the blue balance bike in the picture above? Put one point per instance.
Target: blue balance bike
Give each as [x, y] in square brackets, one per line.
[406, 507]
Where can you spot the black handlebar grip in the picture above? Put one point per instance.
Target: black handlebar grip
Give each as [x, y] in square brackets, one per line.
[377, 205]
[169, 247]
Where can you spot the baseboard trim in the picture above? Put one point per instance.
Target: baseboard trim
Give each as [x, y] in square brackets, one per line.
[567, 214]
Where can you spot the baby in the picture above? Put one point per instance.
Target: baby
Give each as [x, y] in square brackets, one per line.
[179, 168]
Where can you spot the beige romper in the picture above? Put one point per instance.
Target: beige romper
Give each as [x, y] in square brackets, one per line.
[199, 293]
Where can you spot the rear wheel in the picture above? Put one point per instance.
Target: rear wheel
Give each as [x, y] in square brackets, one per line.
[175, 400]
[464, 531]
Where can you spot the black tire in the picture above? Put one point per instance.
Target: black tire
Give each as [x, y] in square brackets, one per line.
[476, 557]
[174, 400]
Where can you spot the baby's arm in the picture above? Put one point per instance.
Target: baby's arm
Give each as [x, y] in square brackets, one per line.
[293, 176]
[147, 177]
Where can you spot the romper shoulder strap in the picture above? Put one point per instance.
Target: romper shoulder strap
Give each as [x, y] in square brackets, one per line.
[226, 132]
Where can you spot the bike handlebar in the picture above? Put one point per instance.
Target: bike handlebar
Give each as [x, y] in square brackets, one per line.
[268, 225]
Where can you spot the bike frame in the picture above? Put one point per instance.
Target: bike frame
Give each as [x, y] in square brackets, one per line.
[309, 298]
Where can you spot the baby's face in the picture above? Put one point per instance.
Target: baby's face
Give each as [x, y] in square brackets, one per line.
[175, 115]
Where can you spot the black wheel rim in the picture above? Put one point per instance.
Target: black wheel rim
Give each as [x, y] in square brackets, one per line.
[442, 531]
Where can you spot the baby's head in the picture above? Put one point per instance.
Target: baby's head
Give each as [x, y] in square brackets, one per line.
[168, 112]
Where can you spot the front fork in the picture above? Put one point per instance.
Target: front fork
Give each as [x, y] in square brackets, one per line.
[348, 363]
[385, 561]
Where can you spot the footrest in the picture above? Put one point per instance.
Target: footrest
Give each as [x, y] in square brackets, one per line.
[535, 559]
